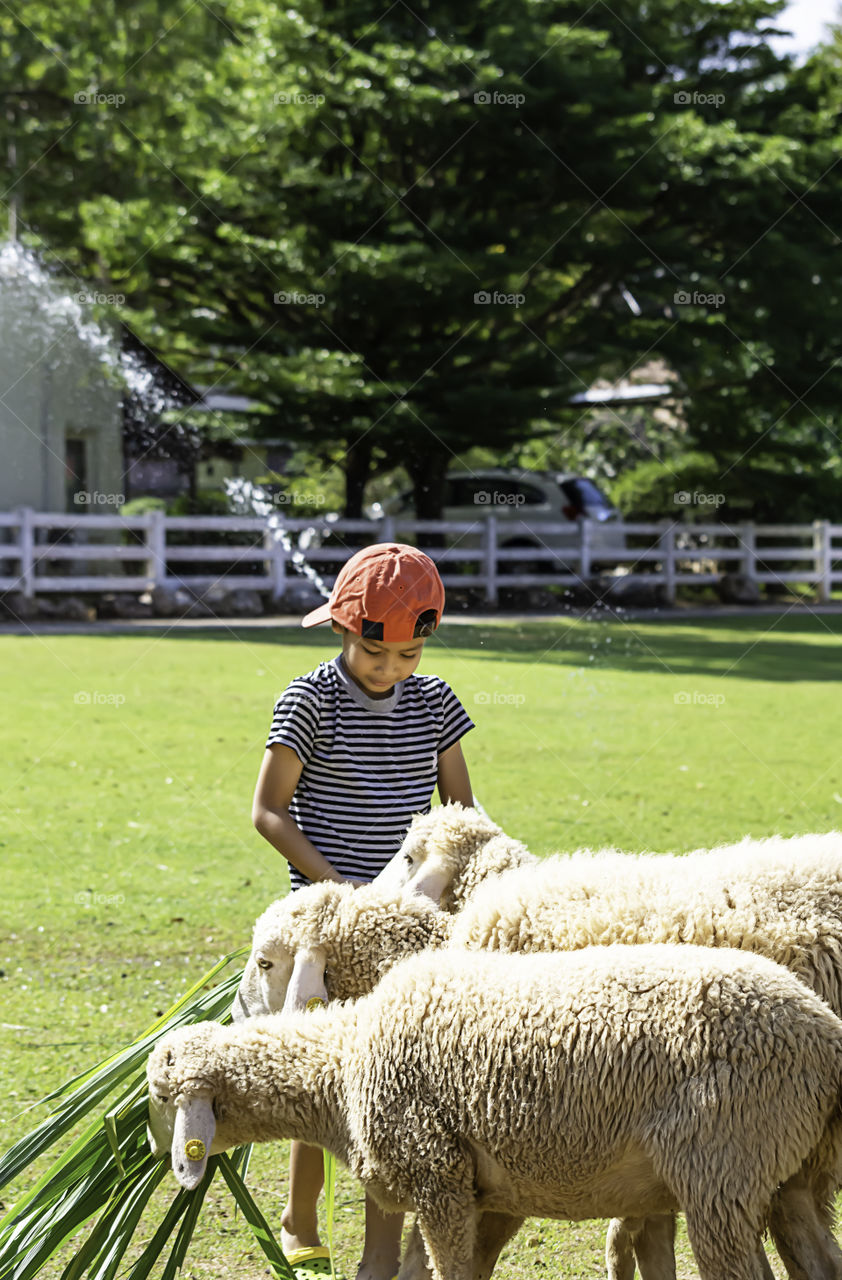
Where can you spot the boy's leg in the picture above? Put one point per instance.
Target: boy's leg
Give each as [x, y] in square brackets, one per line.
[382, 1249]
[299, 1225]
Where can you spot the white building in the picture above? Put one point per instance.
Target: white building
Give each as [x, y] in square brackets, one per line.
[60, 414]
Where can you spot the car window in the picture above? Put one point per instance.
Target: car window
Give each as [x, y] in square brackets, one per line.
[528, 493]
[583, 493]
[484, 490]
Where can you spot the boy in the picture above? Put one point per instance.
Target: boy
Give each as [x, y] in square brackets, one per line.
[355, 749]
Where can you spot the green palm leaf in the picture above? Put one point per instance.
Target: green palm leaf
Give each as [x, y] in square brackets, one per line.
[107, 1172]
[101, 1080]
[177, 1208]
[330, 1202]
[195, 1200]
[255, 1219]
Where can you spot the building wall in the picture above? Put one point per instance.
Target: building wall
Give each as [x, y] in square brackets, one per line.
[54, 388]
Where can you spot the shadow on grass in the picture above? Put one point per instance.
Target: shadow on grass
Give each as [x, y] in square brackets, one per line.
[775, 647]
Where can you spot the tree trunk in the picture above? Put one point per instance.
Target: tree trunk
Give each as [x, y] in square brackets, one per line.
[357, 469]
[427, 471]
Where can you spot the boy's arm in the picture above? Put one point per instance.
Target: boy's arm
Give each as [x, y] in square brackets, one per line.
[276, 785]
[453, 780]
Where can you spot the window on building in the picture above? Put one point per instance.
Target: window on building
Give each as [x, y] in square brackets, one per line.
[76, 489]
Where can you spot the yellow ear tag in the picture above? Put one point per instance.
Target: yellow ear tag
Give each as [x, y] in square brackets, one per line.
[194, 1149]
[315, 1002]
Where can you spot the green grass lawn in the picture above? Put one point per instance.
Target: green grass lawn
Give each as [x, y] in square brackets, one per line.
[130, 864]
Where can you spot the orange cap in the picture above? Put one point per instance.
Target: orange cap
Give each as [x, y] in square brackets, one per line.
[389, 592]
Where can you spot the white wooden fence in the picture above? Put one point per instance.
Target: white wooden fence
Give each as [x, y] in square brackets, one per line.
[51, 552]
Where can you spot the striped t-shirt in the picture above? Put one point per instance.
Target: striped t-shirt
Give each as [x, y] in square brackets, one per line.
[369, 763]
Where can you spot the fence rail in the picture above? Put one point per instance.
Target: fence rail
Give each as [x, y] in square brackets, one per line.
[56, 552]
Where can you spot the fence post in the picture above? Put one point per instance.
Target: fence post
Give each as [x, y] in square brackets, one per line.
[748, 538]
[490, 558]
[277, 556]
[387, 529]
[26, 539]
[666, 545]
[156, 547]
[584, 549]
[822, 557]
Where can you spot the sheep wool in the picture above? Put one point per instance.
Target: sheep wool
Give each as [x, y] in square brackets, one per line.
[480, 1088]
[332, 942]
[779, 897]
[448, 852]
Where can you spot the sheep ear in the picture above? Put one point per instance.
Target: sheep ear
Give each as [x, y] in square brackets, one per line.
[159, 1127]
[431, 883]
[248, 999]
[307, 981]
[192, 1137]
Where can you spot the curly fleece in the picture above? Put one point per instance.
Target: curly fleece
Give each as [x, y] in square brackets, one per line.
[779, 897]
[610, 1081]
[361, 931]
[464, 845]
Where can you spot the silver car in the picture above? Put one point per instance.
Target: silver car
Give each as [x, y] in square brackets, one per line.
[527, 505]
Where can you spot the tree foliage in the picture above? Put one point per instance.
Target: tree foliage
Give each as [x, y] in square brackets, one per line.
[412, 232]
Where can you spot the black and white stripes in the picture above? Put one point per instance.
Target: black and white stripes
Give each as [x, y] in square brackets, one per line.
[368, 764]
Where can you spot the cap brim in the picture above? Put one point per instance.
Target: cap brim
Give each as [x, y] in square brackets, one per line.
[315, 616]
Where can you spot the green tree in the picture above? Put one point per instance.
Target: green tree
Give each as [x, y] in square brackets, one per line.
[409, 233]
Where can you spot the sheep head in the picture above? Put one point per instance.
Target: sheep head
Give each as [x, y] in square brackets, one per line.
[286, 968]
[436, 848]
[276, 981]
[328, 942]
[183, 1080]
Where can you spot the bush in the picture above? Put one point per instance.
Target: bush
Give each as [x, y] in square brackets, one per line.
[697, 488]
[654, 491]
[207, 502]
[140, 506]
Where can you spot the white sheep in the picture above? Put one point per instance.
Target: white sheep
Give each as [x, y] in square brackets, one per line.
[449, 851]
[332, 942]
[479, 1089]
[781, 897]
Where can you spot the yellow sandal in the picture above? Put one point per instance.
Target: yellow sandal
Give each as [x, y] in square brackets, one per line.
[309, 1262]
